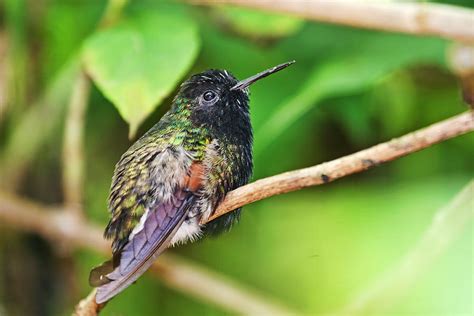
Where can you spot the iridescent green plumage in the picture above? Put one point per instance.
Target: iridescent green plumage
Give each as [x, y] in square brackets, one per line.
[132, 183]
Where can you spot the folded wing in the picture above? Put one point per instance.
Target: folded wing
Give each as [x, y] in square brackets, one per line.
[147, 241]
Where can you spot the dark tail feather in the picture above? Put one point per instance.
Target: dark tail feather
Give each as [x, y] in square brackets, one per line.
[98, 275]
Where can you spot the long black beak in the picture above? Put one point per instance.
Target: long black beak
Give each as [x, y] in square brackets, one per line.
[247, 82]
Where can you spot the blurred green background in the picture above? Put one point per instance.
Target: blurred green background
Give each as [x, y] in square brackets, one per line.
[311, 250]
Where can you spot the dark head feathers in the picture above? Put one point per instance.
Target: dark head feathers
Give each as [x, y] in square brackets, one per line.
[220, 80]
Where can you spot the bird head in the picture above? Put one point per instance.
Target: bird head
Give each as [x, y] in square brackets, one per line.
[218, 100]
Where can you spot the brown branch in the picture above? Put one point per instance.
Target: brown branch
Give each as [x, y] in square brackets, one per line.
[73, 146]
[30, 216]
[88, 306]
[51, 223]
[448, 224]
[445, 21]
[58, 225]
[354, 163]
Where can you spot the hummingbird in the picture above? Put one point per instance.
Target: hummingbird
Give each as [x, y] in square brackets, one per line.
[173, 178]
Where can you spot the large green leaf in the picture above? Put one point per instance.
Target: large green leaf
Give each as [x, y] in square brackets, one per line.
[139, 61]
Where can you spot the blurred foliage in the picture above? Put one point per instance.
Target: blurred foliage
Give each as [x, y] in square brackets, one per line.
[124, 59]
[257, 24]
[313, 250]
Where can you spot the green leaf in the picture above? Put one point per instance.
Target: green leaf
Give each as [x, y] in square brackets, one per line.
[138, 62]
[255, 23]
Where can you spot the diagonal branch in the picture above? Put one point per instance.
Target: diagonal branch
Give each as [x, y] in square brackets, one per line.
[34, 218]
[354, 163]
[441, 20]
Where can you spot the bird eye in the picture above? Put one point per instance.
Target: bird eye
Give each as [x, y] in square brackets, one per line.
[209, 95]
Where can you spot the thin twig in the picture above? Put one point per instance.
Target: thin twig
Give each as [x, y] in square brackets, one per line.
[57, 225]
[448, 224]
[42, 117]
[73, 145]
[88, 306]
[53, 223]
[3, 75]
[354, 163]
[445, 21]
